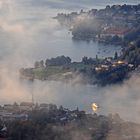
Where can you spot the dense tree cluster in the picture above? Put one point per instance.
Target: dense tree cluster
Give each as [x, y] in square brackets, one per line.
[58, 61]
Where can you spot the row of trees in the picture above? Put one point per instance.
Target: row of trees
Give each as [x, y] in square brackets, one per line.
[58, 61]
[86, 60]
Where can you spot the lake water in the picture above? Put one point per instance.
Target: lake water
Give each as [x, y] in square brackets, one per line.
[28, 33]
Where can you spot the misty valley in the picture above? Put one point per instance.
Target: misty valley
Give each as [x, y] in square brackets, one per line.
[69, 70]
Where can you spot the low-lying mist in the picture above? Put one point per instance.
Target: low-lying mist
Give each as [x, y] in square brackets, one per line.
[123, 99]
[21, 45]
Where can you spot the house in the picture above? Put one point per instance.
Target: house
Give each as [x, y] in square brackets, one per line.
[47, 106]
[26, 106]
[9, 116]
[102, 68]
[114, 31]
[8, 107]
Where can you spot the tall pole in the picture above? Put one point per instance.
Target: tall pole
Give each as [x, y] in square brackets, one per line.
[32, 94]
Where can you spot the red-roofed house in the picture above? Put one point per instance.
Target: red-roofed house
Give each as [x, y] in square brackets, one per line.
[113, 31]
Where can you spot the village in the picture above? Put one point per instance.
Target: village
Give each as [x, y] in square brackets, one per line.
[18, 119]
[13, 112]
[27, 111]
[117, 24]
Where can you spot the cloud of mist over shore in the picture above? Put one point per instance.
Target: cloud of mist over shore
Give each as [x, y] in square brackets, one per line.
[123, 99]
[20, 43]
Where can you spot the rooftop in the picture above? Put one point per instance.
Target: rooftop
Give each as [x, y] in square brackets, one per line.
[117, 31]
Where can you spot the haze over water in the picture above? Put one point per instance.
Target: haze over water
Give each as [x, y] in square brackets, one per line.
[28, 33]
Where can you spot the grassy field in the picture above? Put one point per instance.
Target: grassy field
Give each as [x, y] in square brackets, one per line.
[43, 73]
